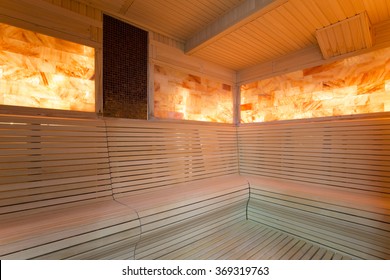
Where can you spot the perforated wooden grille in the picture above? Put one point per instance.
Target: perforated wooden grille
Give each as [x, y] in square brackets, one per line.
[125, 49]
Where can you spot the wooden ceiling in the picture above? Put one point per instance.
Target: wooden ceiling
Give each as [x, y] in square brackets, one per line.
[239, 34]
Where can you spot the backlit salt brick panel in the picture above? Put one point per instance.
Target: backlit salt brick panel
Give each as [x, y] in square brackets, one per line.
[45, 72]
[183, 96]
[355, 85]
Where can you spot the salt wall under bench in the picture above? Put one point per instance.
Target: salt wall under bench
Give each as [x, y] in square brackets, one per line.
[327, 180]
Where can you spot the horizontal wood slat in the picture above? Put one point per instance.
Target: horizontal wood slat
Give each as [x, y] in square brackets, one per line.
[182, 180]
[169, 181]
[94, 229]
[350, 154]
[28, 147]
[176, 216]
[326, 181]
[146, 155]
[125, 189]
[55, 192]
[356, 241]
[248, 240]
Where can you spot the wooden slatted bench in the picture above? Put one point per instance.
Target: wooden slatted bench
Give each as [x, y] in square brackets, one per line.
[55, 192]
[127, 189]
[175, 217]
[182, 180]
[326, 181]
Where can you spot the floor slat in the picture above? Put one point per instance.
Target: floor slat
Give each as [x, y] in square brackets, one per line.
[309, 254]
[250, 240]
[258, 250]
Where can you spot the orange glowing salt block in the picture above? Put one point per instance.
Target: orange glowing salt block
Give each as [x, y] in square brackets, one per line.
[45, 72]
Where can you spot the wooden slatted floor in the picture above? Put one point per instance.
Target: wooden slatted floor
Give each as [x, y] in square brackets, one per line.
[248, 240]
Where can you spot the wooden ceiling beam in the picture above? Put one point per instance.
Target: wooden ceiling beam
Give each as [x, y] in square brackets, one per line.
[235, 18]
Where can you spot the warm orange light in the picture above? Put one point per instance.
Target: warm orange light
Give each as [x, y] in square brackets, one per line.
[42, 71]
[179, 95]
[355, 85]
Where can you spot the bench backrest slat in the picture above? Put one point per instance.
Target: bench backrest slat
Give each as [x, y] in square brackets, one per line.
[51, 162]
[146, 155]
[353, 154]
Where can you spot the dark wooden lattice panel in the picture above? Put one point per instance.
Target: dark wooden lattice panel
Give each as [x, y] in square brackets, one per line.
[125, 53]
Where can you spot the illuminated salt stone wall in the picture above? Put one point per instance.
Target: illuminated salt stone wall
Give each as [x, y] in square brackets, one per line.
[355, 85]
[42, 71]
[183, 96]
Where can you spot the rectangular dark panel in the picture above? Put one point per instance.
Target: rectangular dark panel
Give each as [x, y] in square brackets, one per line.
[125, 74]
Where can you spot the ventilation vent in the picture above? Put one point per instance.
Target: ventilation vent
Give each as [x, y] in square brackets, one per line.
[346, 36]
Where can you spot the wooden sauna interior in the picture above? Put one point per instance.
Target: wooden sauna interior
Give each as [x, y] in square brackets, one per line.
[258, 129]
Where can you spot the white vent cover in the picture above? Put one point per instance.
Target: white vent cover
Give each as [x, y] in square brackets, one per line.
[346, 36]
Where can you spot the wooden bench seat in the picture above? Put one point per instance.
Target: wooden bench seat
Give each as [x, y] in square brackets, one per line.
[112, 188]
[176, 217]
[100, 230]
[355, 224]
[55, 192]
[327, 181]
[182, 180]
[127, 189]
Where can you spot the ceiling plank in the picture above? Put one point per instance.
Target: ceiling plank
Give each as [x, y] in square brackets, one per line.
[309, 57]
[294, 27]
[378, 10]
[126, 6]
[242, 33]
[235, 18]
